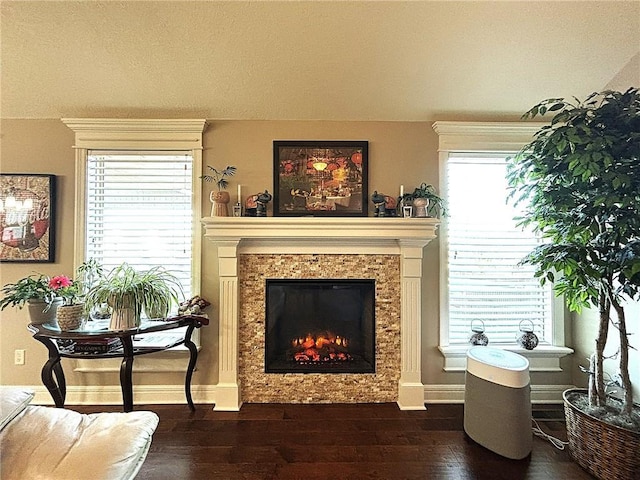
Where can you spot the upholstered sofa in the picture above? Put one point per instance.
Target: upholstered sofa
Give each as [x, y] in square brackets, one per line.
[46, 443]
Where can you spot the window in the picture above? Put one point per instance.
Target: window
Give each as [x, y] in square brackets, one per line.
[138, 210]
[135, 200]
[480, 247]
[484, 248]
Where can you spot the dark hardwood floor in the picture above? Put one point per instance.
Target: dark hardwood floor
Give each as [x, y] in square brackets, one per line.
[350, 442]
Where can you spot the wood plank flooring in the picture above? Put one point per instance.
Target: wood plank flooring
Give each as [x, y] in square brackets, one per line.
[350, 442]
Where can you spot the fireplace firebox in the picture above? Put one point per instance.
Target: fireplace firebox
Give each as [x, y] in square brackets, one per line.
[320, 326]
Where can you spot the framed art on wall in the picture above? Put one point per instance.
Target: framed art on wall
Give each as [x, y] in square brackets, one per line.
[320, 178]
[27, 226]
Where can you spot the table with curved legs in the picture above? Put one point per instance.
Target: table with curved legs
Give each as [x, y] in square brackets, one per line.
[66, 343]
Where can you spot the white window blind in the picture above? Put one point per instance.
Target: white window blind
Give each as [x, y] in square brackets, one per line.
[139, 211]
[484, 248]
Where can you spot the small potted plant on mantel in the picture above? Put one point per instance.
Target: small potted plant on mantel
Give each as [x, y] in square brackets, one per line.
[219, 199]
[425, 200]
[579, 180]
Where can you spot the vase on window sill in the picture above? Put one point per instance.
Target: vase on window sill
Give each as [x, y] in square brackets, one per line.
[219, 203]
[526, 338]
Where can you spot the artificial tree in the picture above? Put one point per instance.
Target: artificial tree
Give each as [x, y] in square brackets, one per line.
[579, 180]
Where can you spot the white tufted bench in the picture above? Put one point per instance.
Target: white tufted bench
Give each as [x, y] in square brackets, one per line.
[45, 443]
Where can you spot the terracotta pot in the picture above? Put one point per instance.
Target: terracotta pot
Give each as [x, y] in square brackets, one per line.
[70, 316]
[40, 312]
[219, 202]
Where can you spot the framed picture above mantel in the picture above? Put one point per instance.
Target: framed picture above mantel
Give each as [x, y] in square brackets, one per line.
[320, 178]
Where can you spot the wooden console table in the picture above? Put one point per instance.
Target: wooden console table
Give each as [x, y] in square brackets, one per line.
[63, 344]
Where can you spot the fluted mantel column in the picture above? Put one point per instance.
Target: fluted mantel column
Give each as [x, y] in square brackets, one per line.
[317, 235]
[228, 393]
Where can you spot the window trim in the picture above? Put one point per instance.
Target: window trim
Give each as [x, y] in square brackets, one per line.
[142, 135]
[475, 138]
[137, 134]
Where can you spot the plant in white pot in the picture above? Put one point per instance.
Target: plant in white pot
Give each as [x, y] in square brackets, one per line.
[35, 292]
[579, 181]
[128, 292]
[219, 199]
[425, 200]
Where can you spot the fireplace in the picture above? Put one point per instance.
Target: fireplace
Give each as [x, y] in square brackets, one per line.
[249, 251]
[320, 326]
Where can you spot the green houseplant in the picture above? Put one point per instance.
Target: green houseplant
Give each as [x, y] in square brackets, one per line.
[579, 180]
[221, 198]
[35, 292]
[70, 314]
[129, 292]
[426, 201]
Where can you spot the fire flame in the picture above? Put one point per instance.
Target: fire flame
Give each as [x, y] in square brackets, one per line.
[323, 347]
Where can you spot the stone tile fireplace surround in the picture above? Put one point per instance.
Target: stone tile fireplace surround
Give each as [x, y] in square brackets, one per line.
[250, 250]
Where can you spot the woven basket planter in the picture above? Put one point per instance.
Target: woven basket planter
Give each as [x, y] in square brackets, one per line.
[606, 451]
[70, 316]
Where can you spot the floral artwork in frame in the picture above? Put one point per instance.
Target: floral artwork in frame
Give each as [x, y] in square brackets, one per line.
[27, 226]
[320, 178]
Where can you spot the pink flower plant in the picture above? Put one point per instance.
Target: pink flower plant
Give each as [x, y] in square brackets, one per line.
[65, 288]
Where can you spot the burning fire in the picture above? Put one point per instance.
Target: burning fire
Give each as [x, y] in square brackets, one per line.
[322, 347]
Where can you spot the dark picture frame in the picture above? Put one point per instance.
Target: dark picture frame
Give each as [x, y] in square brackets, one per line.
[320, 178]
[27, 217]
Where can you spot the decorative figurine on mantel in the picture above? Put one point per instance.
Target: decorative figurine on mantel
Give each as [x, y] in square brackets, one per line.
[251, 206]
[219, 199]
[262, 200]
[385, 205]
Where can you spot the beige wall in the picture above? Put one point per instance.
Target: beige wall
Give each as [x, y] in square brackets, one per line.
[399, 153]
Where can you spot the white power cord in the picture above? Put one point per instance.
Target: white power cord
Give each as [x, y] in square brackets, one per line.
[537, 431]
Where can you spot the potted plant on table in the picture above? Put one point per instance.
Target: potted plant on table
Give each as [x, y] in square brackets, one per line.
[425, 200]
[70, 314]
[219, 199]
[129, 292]
[579, 180]
[34, 291]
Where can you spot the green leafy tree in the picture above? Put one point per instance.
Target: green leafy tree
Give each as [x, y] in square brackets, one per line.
[579, 180]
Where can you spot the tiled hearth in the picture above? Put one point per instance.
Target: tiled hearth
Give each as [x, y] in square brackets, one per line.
[388, 250]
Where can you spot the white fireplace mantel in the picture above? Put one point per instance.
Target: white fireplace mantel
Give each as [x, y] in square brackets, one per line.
[405, 237]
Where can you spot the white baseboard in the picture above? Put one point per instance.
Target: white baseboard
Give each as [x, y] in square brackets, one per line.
[206, 394]
[142, 395]
[455, 393]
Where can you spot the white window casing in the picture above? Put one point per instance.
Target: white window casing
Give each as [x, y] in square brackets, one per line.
[157, 138]
[461, 144]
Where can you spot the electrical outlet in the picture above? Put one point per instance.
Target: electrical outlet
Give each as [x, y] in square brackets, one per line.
[19, 357]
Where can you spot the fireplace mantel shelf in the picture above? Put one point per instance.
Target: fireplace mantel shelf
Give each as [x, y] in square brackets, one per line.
[346, 230]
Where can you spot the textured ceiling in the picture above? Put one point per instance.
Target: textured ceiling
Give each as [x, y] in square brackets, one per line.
[340, 60]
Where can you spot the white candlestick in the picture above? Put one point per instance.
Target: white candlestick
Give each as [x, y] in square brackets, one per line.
[239, 193]
[401, 190]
